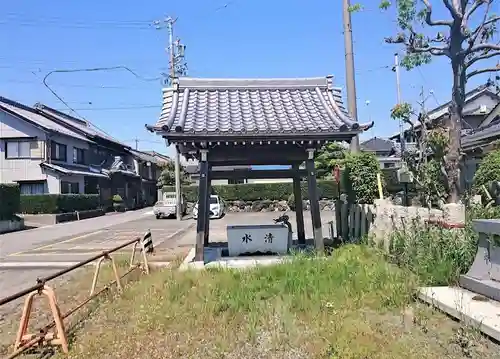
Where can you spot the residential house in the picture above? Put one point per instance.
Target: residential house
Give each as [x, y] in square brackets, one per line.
[148, 167]
[384, 150]
[47, 151]
[480, 115]
[161, 159]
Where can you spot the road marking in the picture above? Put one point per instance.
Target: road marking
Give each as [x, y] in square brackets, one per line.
[53, 244]
[19, 265]
[61, 253]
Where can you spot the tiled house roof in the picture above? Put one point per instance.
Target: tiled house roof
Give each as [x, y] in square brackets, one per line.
[253, 106]
[32, 116]
[376, 144]
[76, 124]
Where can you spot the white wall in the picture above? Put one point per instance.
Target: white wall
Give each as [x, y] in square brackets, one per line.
[12, 170]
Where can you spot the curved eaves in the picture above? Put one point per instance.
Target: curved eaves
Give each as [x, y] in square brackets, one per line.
[182, 119]
[173, 111]
[339, 124]
[352, 124]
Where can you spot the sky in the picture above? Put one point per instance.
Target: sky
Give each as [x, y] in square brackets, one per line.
[224, 38]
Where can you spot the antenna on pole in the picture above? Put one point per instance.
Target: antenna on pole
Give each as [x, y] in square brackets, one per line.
[177, 67]
[176, 50]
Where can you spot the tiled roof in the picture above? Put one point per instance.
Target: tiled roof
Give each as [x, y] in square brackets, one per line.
[74, 170]
[143, 156]
[77, 124]
[377, 144]
[253, 106]
[32, 115]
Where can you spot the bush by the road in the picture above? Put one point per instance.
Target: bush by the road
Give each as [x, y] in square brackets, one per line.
[9, 199]
[259, 191]
[58, 203]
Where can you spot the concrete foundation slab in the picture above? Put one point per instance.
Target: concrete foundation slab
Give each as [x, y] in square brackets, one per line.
[474, 310]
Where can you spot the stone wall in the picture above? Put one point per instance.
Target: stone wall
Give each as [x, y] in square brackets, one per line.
[386, 217]
[270, 206]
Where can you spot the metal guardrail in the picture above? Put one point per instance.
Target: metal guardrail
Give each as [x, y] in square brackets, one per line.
[47, 334]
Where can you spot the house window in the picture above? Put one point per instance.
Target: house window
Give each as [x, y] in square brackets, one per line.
[19, 149]
[58, 151]
[389, 165]
[78, 156]
[70, 187]
[32, 187]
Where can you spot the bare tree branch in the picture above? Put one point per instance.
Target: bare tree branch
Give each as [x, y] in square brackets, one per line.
[482, 71]
[473, 37]
[483, 47]
[491, 20]
[428, 17]
[453, 8]
[477, 4]
[482, 57]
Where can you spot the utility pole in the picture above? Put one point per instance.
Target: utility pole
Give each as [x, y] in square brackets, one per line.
[174, 64]
[136, 144]
[349, 69]
[398, 88]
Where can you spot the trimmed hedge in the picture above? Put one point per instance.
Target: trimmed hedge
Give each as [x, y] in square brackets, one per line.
[327, 189]
[58, 203]
[9, 199]
[259, 191]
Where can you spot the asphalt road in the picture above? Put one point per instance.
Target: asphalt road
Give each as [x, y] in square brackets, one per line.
[35, 253]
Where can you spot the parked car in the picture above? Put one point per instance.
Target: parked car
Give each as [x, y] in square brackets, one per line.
[217, 207]
[167, 207]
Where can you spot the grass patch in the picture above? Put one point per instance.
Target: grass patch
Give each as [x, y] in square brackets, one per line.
[351, 305]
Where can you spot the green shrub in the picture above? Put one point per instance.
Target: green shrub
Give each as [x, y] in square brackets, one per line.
[58, 203]
[259, 191]
[488, 171]
[438, 256]
[9, 199]
[360, 177]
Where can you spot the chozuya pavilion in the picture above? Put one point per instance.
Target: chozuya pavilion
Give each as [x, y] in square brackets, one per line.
[255, 122]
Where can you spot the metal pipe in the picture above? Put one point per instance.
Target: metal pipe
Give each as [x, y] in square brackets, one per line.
[43, 331]
[41, 282]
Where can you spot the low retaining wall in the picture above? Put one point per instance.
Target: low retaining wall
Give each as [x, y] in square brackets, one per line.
[11, 225]
[48, 219]
[75, 216]
[270, 206]
[383, 217]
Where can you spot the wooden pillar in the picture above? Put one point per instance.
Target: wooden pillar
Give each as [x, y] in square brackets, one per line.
[209, 192]
[201, 225]
[299, 208]
[313, 199]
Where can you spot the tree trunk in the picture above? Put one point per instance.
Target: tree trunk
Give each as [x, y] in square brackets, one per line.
[453, 156]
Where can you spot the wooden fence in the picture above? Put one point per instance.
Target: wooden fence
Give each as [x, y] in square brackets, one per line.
[352, 221]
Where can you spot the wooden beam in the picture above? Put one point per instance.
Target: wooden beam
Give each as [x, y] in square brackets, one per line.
[203, 213]
[257, 174]
[206, 239]
[299, 208]
[313, 199]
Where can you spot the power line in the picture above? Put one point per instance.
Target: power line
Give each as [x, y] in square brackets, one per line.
[105, 87]
[138, 107]
[426, 83]
[44, 81]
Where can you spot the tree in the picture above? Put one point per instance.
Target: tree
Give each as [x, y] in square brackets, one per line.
[167, 176]
[467, 39]
[330, 155]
